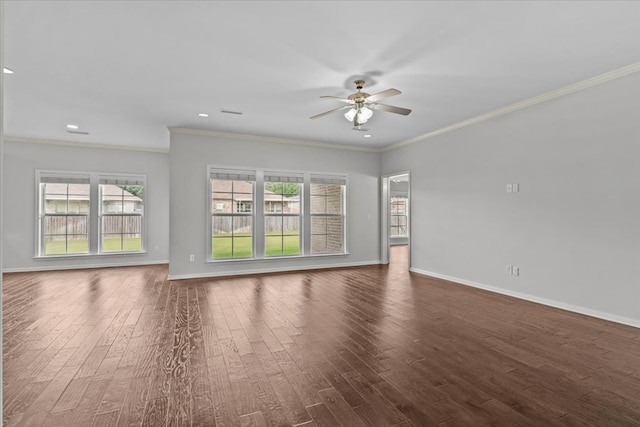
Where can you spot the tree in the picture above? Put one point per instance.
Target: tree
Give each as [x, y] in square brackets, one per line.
[284, 188]
[136, 190]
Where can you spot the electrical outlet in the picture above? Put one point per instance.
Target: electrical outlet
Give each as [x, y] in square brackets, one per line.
[509, 188]
[192, 257]
[512, 270]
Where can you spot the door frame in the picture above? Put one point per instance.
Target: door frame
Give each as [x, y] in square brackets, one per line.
[385, 215]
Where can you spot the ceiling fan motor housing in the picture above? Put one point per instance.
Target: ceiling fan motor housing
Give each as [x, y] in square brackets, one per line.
[358, 97]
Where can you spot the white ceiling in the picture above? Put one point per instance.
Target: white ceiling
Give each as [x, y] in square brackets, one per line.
[125, 71]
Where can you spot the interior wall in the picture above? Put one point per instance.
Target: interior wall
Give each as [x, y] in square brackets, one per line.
[19, 210]
[1, 146]
[190, 155]
[573, 229]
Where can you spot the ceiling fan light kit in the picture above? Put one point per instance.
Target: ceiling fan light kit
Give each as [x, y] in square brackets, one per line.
[362, 104]
[363, 113]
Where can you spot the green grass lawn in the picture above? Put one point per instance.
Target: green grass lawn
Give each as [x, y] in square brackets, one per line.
[225, 246]
[128, 244]
[57, 247]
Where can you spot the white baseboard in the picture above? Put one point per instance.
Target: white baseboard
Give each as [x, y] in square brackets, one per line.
[80, 267]
[532, 298]
[269, 270]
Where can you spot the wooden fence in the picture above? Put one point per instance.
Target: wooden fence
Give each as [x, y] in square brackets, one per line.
[73, 226]
[243, 224]
[125, 224]
[77, 225]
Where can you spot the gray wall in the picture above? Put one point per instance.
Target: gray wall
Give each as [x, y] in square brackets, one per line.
[189, 157]
[19, 209]
[1, 150]
[574, 227]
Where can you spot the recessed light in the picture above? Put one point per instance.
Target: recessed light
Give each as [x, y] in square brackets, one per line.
[7, 70]
[203, 115]
[73, 127]
[367, 136]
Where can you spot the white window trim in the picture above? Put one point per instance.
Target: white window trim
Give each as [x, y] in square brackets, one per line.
[301, 209]
[123, 177]
[94, 221]
[39, 244]
[211, 212]
[342, 180]
[405, 216]
[259, 215]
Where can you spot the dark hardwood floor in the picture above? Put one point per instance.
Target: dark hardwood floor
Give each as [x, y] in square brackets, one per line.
[367, 346]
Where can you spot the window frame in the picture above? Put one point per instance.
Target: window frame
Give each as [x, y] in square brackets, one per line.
[330, 179]
[212, 211]
[405, 200]
[260, 214]
[66, 178]
[93, 216]
[284, 178]
[138, 180]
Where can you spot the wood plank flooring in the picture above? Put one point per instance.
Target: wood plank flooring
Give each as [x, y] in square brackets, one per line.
[367, 346]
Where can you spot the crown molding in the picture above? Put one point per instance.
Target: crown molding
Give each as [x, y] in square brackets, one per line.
[259, 138]
[548, 96]
[66, 143]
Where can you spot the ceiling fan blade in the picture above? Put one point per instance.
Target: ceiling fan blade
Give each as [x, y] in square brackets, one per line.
[381, 95]
[391, 109]
[326, 113]
[348, 101]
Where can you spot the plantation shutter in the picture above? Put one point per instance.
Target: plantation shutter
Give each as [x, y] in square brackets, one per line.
[283, 177]
[233, 175]
[122, 180]
[63, 178]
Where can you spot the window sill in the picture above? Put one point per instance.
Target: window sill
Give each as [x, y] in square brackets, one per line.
[274, 258]
[102, 255]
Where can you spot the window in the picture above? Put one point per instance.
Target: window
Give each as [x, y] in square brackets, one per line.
[64, 201]
[399, 216]
[232, 201]
[327, 214]
[121, 214]
[282, 214]
[256, 214]
[244, 206]
[67, 203]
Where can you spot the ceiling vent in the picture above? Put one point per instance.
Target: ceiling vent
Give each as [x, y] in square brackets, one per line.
[237, 113]
[78, 132]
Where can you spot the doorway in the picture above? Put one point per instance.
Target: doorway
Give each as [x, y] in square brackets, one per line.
[396, 219]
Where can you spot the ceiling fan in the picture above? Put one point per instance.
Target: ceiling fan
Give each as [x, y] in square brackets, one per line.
[361, 105]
